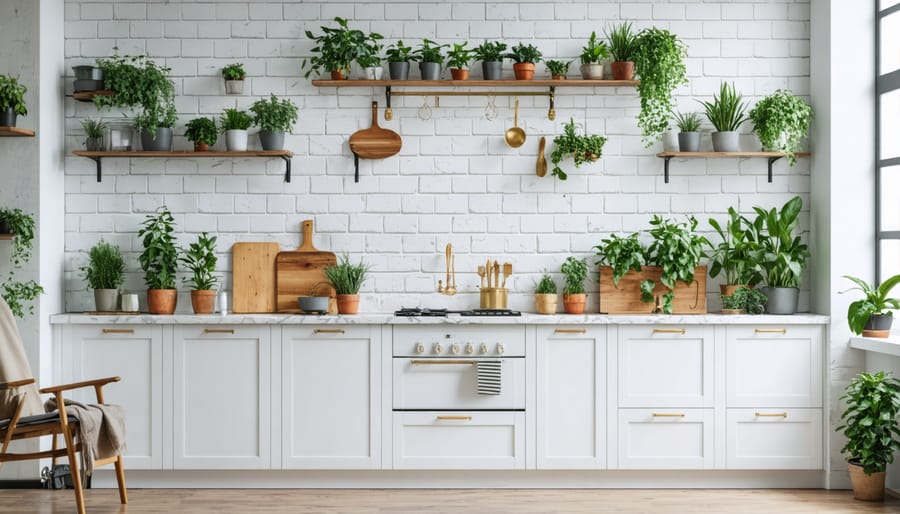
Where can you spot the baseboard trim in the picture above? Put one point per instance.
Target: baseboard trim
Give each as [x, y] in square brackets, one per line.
[21, 484]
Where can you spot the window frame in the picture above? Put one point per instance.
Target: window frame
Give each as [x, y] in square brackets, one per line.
[884, 84]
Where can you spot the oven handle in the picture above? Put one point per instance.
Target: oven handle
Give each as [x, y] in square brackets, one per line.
[438, 361]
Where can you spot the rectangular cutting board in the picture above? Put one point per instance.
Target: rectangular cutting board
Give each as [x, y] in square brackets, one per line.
[253, 277]
[297, 272]
[626, 297]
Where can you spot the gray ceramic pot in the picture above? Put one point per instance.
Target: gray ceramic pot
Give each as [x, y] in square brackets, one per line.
[271, 140]
[106, 300]
[492, 70]
[430, 70]
[781, 300]
[314, 304]
[162, 142]
[726, 141]
[8, 118]
[399, 70]
[688, 141]
[879, 322]
[93, 144]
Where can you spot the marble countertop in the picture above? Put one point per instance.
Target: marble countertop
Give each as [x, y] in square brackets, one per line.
[454, 319]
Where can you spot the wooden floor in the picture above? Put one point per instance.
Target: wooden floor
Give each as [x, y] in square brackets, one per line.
[487, 501]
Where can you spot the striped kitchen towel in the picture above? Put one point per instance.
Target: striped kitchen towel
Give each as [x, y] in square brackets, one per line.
[489, 377]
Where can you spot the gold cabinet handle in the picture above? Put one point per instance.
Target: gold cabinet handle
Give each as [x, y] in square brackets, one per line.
[570, 331]
[218, 330]
[771, 415]
[441, 361]
[118, 330]
[668, 331]
[668, 414]
[454, 418]
[328, 331]
[771, 331]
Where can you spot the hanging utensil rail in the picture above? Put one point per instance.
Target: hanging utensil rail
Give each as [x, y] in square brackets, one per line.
[389, 113]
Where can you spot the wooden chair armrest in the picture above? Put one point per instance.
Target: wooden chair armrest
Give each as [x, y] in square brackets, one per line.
[99, 382]
[16, 383]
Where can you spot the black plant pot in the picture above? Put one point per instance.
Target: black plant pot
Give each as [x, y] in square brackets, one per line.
[492, 70]
[399, 70]
[430, 70]
[8, 118]
[879, 325]
[4, 227]
[271, 140]
[162, 142]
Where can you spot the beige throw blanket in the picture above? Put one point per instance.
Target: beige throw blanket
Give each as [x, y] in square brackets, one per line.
[101, 430]
[14, 366]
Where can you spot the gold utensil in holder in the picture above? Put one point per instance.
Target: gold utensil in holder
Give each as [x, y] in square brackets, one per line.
[494, 298]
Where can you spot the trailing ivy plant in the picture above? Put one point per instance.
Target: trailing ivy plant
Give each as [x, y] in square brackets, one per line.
[138, 82]
[727, 110]
[587, 148]
[677, 249]
[200, 259]
[159, 260]
[16, 293]
[574, 272]
[781, 120]
[870, 421]
[546, 285]
[623, 254]
[659, 63]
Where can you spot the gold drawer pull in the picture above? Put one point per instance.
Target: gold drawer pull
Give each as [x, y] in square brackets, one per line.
[438, 361]
[218, 330]
[668, 331]
[328, 331]
[771, 331]
[668, 415]
[771, 415]
[454, 418]
[570, 331]
[118, 330]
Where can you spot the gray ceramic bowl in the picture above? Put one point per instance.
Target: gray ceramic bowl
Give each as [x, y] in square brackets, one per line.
[313, 304]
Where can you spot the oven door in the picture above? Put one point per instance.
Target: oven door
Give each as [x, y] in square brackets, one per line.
[451, 384]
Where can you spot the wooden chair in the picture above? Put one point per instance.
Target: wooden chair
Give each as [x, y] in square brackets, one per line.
[54, 424]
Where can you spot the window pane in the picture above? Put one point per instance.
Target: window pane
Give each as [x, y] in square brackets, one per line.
[890, 258]
[890, 43]
[890, 207]
[890, 124]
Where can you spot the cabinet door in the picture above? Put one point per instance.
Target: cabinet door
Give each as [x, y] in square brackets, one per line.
[134, 353]
[666, 439]
[774, 439]
[665, 366]
[774, 366]
[221, 388]
[331, 414]
[571, 398]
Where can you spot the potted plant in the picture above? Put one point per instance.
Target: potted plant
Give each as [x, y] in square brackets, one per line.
[234, 123]
[159, 261]
[591, 57]
[744, 300]
[659, 62]
[274, 117]
[871, 316]
[622, 47]
[104, 274]
[93, 132]
[234, 75]
[781, 120]
[870, 426]
[430, 59]
[202, 132]
[780, 255]
[545, 298]
[398, 56]
[524, 57]
[557, 69]
[586, 148]
[621, 255]
[726, 113]
[736, 255]
[688, 131]
[314, 302]
[336, 48]
[347, 278]
[574, 272]
[490, 53]
[458, 59]
[16, 293]
[12, 100]
[155, 127]
[677, 250]
[200, 259]
[369, 58]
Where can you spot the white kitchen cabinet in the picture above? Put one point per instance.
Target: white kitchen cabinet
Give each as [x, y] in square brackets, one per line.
[331, 414]
[134, 353]
[571, 397]
[221, 397]
[665, 366]
[666, 438]
[459, 440]
[774, 439]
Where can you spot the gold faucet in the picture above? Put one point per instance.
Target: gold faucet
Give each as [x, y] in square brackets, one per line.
[450, 290]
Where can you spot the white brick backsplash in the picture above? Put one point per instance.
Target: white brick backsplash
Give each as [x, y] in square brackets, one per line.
[125, 11]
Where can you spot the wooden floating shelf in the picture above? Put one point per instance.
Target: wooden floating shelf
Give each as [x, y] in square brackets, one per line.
[771, 156]
[88, 96]
[477, 83]
[15, 132]
[285, 155]
[7, 237]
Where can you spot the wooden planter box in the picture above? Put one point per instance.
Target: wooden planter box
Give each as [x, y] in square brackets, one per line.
[626, 297]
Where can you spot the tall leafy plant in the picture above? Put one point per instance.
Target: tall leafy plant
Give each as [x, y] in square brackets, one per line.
[16, 293]
[677, 249]
[659, 62]
[870, 421]
[780, 253]
[336, 48]
[735, 255]
[781, 120]
[159, 260]
[429, 51]
[200, 259]
[623, 254]
[727, 111]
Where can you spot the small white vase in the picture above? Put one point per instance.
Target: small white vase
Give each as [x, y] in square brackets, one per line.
[234, 87]
[592, 71]
[373, 73]
[236, 140]
[670, 141]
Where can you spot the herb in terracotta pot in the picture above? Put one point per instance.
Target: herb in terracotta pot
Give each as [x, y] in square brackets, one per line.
[347, 278]
[557, 69]
[545, 297]
[200, 259]
[335, 50]
[202, 132]
[524, 56]
[574, 297]
[458, 59]
[159, 261]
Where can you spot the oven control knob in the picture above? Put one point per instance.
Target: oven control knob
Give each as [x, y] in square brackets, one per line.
[470, 348]
[455, 348]
[420, 348]
[484, 348]
[500, 348]
[438, 348]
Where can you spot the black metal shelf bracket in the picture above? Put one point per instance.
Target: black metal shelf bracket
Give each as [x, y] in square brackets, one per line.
[287, 167]
[666, 165]
[772, 161]
[99, 167]
[388, 112]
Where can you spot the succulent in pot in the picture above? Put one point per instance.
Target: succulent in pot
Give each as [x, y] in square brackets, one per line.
[234, 75]
[872, 316]
[524, 58]
[202, 132]
[274, 117]
[586, 148]
[659, 62]
[458, 59]
[557, 69]
[398, 56]
[622, 46]
[93, 132]
[430, 57]
[159, 261]
[234, 123]
[592, 57]
[104, 274]
[781, 120]
[545, 297]
[490, 53]
[335, 50]
[12, 100]
[200, 260]
[347, 278]
[574, 297]
[688, 131]
[18, 294]
[726, 113]
[780, 254]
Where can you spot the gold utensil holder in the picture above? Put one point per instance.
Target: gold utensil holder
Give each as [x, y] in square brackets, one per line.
[494, 297]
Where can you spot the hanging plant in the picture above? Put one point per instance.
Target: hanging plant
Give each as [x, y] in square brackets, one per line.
[659, 62]
[16, 293]
[781, 120]
[587, 148]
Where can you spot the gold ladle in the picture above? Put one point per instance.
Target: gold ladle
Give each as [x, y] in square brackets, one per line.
[515, 137]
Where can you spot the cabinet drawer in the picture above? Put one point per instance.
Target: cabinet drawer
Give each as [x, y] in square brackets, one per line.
[459, 440]
[666, 438]
[777, 366]
[453, 384]
[774, 439]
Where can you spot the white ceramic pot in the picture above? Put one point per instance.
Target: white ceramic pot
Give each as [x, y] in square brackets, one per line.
[234, 87]
[670, 141]
[236, 140]
[593, 71]
[373, 73]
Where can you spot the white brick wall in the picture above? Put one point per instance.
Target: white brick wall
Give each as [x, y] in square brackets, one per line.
[455, 180]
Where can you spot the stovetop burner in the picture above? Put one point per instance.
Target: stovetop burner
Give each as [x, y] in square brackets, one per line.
[426, 312]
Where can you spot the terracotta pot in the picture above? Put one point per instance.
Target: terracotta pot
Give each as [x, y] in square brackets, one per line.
[459, 74]
[729, 289]
[574, 303]
[162, 301]
[524, 70]
[201, 147]
[734, 311]
[338, 75]
[348, 303]
[545, 303]
[558, 77]
[203, 301]
[868, 488]
[623, 70]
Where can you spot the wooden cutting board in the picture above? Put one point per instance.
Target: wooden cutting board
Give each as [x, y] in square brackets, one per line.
[298, 272]
[253, 277]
